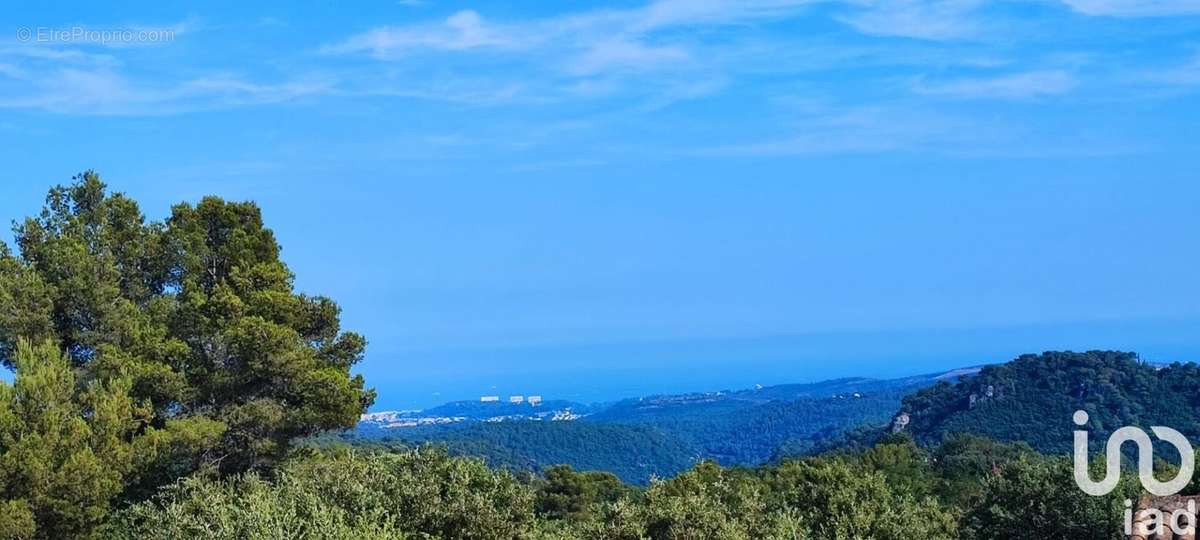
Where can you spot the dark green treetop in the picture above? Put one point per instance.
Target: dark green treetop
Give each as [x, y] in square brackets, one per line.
[197, 311]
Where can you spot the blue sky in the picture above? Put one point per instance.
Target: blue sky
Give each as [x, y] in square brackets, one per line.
[591, 200]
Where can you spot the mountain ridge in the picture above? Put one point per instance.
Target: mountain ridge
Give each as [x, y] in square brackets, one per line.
[670, 431]
[475, 409]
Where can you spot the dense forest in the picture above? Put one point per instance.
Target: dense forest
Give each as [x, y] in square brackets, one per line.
[1032, 398]
[638, 445]
[752, 434]
[168, 382]
[634, 453]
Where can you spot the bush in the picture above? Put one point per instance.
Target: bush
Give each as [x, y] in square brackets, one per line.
[417, 494]
[1036, 497]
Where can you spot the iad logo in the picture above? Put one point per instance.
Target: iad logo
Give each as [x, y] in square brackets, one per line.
[1145, 448]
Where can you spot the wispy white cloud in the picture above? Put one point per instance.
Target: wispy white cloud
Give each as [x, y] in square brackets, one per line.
[1168, 81]
[272, 22]
[607, 38]
[461, 31]
[671, 94]
[1135, 8]
[461, 91]
[672, 13]
[657, 51]
[1187, 74]
[106, 92]
[596, 53]
[898, 127]
[138, 35]
[231, 90]
[623, 54]
[648, 56]
[575, 163]
[47, 54]
[921, 19]
[1026, 85]
[103, 76]
[661, 46]
[829, 129]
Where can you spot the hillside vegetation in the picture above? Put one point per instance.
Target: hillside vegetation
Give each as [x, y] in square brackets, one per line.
[1032, 398]
[662, 435]
[633, 453]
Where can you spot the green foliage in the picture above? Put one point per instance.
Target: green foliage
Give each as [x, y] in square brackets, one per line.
[906, 467]
[65, 451]
[419, 494]
[963, 463]
[426, 494]
[705, 502]
[735, 432]
[1038, 498]
[1032, 398]
[842, 501]
[197, 312]
[567, 493]
[634, 453]
[339, 493]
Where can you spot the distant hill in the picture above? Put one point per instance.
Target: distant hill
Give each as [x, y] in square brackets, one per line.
[1033, 397]
[836, 387]
[1029, 399]
[748, 427]
[654, 435]
[710, 403]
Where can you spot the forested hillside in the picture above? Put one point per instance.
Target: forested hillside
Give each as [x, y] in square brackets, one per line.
[661, 435]
[634, 453]
[750, 434]
[1032, 398]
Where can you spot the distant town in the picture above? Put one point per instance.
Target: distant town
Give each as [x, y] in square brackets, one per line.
[489, 408]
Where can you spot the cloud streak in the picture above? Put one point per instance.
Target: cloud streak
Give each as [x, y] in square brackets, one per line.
[617, 68]
[921, 19]
[1015, 86]
[104, 92]
[1135, 8]
[464, 30]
